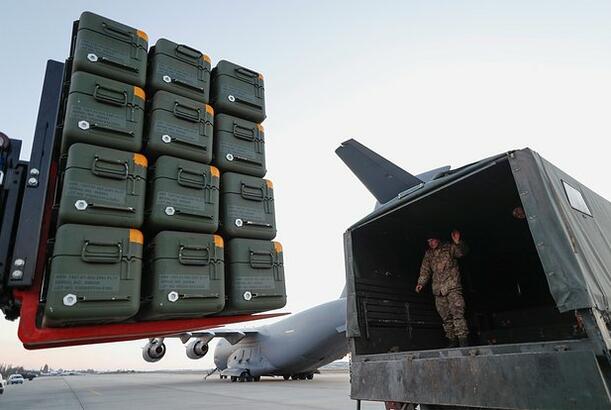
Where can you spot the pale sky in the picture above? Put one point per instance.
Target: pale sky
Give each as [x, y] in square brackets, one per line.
[423, 83]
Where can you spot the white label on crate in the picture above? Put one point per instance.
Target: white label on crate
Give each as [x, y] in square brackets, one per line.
[95, 192]
[85, 282]
[181, 202]
[170, 281]
[253, 282]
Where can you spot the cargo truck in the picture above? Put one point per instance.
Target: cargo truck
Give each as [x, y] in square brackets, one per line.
[537, 286]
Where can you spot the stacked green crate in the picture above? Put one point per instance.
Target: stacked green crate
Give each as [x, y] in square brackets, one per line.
[255, 268]
[108, 193]
[187, 275]
[95, 270]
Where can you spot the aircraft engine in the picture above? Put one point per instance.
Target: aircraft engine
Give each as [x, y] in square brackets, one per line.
[153, 351]
[197, 349]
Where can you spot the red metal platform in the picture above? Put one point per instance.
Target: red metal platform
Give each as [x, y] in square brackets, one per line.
[34, 337]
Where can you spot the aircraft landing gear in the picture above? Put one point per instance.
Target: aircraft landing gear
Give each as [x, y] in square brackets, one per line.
[310, 376]
[286, 377]
[245, 377]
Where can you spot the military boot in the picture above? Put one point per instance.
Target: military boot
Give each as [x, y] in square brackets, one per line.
[453, 342]
[463, 341]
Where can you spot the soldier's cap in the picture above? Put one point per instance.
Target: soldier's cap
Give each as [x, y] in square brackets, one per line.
[432, 234]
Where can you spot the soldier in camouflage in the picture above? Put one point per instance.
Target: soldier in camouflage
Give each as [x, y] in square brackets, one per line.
[440, 265]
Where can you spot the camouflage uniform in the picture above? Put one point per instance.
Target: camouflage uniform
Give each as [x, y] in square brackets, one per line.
[442, 265]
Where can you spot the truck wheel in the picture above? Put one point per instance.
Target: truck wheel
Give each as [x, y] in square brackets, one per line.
[310, 376]
[233, 378]
[256, 378]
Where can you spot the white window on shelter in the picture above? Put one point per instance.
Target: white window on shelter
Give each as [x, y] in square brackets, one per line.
[576, 199]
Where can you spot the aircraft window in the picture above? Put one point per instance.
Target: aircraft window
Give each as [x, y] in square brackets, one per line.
[576, 199]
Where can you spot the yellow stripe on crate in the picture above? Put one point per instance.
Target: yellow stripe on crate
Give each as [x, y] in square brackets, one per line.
[139, 92]
[218, 241]
[142, 35]
[140, 160]
[135, 236]
[277, 247]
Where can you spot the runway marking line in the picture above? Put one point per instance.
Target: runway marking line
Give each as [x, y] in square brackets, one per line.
[95, 392]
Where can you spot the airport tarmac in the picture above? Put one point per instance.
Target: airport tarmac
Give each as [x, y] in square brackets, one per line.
[329, 390]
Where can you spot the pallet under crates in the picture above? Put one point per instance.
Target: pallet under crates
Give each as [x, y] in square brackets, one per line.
[26, 286]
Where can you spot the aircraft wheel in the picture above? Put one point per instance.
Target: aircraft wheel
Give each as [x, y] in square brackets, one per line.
[302, 377]
[286, 377]
[233, 378]
[295, 377]
[310, 376]
[257, 378]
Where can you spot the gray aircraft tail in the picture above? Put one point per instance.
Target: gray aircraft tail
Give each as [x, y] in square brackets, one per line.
[381, 177]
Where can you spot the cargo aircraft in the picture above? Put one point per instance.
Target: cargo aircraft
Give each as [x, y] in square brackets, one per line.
[294, 347]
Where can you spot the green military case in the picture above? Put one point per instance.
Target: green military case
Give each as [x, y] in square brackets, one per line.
[238, 91]
[180, 127]
[110, 49]
[239, 145]
[103, 112]
[103, 186]
[255, 276]
[247, 207]
[186, 276]
[95, 275]
[179, 69]
[183, 196]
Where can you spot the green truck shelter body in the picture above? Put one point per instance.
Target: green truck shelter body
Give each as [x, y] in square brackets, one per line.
[557, 361]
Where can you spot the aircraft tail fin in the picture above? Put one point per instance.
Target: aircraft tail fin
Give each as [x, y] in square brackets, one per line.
[381, 177]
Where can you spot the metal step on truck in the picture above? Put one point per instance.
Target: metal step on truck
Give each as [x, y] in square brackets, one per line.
[536, 284]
